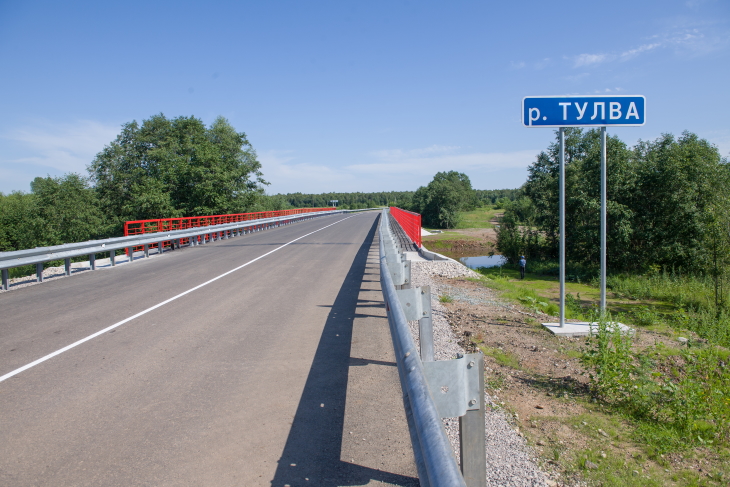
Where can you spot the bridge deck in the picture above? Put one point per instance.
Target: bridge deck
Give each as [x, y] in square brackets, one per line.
[278, 373]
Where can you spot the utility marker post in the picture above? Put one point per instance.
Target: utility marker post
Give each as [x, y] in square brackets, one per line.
[575, 111]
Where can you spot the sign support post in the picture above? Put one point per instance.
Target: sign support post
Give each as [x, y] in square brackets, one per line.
[603, 221]
[561, 204]
[582, 111]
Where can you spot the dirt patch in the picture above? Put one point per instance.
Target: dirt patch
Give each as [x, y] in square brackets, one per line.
[456, 248]
[538, 378]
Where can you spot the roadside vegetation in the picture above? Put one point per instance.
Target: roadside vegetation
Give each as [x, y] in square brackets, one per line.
[663, 392]
[163, 168]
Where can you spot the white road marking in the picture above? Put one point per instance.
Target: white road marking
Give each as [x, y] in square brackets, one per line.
[115, 325]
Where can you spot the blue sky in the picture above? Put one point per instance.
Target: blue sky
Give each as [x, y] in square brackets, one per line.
[351, 96]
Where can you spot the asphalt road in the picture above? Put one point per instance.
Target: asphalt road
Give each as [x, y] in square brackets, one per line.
[279, 373]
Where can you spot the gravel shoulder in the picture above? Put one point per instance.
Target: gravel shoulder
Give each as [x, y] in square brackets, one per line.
[510, 460]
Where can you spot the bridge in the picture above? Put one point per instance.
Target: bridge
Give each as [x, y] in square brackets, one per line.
[258, 361]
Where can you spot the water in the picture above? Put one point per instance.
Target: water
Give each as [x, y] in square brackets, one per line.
[483, 261]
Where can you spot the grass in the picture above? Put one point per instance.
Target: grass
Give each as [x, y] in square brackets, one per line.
[618, 461]
[660, 398]
[582, 298]
[502, 357]
[446, 298]
[479, 218]
[448, 235]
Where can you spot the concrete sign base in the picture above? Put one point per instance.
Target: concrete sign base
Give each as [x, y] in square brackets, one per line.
[582, 328]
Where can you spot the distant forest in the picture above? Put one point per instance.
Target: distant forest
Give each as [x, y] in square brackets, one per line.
[402, 199]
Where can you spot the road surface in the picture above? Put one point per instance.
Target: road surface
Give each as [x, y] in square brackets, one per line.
[231, 371]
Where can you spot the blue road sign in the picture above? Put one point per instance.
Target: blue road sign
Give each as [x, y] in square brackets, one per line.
[583, 111]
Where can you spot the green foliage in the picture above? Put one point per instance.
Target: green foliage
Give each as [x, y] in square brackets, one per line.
[691, 295]
[21, 224]
[176, 167]
[69, 207]
[58, 210]
[350, 201]
[446, 195]
[668, 205]
[445, 298]
[678, 401]
[496, 196]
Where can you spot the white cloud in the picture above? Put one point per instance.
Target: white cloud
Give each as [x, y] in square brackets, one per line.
[632, 53]
[395, 169]
[516, 65]
[590, 59]
[67, 147]
[427, 162]
[682, 40]
[288, 176]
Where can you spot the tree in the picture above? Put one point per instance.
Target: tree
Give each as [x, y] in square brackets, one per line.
[446, 195]
[679, 181]
[582, 201]
[176, 167]
[68, 208]
[667, 204]
[56, 211]
[21, 225]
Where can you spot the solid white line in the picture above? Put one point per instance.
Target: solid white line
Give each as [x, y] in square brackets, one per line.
[115, 325]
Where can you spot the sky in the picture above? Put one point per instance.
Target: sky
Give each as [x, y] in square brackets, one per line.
[344, 96]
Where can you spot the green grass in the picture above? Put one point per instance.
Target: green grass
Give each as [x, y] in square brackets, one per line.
[658, 399]
[449, 235]
[502, 357]
[479, 218]
[446, 298]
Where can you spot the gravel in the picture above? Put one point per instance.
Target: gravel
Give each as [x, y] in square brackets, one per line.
[510, 461]
[53, 273]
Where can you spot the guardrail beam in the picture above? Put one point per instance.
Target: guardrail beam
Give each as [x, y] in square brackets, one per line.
[193, 235]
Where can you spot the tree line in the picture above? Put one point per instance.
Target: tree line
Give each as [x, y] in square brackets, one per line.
[175, 167]
[350, 201]
[668, 205]
[160, 169]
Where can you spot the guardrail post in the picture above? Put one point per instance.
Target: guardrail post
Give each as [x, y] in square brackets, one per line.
[5, 274]
[92, 261]
[130, 251]
[425, 327]
[67, 266]
[39, 272]
[113, 257]
[472, 436]
[146, 250]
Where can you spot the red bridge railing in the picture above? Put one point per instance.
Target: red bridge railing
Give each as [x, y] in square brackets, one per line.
[410, 222]
[138, 227]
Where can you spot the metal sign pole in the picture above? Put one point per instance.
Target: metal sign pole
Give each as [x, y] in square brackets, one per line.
[603, 221]
[561, 132]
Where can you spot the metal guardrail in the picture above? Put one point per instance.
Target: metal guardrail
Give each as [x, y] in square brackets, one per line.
[190, 236]
[432, 389]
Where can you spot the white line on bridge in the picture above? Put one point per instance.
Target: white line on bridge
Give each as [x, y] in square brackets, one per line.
[115, 325]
